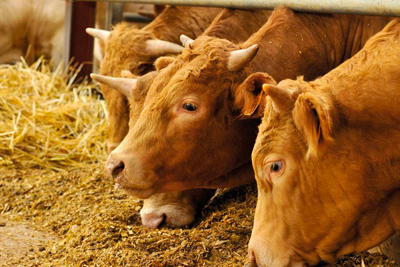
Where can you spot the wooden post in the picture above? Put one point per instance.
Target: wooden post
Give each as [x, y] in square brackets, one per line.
[80, 15]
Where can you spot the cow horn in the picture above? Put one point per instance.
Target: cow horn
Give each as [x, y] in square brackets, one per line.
[240, 58]
[97, 33]
[122, 85]
[282, 98]
[186, 41]
[160, 47]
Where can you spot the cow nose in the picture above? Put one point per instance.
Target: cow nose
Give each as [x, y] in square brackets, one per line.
[153, 220]
[253, 260]
[114, 167]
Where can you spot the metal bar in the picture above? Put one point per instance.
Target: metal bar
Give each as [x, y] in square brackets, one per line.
[367, 7]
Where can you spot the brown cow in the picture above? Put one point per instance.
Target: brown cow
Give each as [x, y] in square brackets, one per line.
[191, 133]
[175, 209]
[166, 207]
[327, 160]
[129, 48]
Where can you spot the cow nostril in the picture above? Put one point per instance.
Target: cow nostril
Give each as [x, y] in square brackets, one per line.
[253, 260]
[118, 168]
[166, 219]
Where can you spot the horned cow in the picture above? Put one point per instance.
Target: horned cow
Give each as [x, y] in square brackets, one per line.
[199, 123]
[165, 207]
[129, 48]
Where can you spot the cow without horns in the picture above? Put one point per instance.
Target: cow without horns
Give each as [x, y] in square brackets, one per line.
[31, 29]
[327, 160]
[179, 208]
[191, 132]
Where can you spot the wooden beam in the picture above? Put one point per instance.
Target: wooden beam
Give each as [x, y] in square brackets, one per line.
[81, 15]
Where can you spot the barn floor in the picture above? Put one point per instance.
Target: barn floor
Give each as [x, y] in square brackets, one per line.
[76, 218]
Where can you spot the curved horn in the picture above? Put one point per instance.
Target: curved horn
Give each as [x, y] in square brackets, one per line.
[186, 41]
[160, 47]
[122, 85]
[97, 33]
[240, 58]
[282, 98]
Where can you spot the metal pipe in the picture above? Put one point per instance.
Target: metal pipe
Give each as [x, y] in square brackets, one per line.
[366, 7]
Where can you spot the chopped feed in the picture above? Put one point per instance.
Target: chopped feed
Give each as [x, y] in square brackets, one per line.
[52, 135]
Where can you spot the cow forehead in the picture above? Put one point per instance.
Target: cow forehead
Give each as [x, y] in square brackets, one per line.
[277, 134]
[124, 32]
[278, 127]
[125, 49]
[196, 70]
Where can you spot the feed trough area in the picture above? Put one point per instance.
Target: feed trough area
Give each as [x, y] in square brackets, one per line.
[58, 208]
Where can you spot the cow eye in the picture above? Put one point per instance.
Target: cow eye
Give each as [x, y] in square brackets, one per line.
[189, 106]
[276, 166]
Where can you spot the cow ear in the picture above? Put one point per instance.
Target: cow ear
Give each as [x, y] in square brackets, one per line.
[163, 62]
[249, 95]
[315, 116]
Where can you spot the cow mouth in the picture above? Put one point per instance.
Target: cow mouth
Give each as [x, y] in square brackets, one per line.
[242, 174]
[141, 193]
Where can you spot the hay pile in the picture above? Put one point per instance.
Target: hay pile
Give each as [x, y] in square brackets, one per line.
[47, 120]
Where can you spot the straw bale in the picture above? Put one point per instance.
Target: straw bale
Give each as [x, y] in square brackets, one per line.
[47, 120]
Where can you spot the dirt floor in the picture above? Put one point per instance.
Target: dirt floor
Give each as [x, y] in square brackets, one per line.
[77, 218]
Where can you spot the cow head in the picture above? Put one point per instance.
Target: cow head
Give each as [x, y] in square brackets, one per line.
[173, 209]
[191, 131]
[322, 190]
[130, 48]
[126, 48]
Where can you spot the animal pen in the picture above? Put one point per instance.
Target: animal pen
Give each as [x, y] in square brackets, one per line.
[58, 208]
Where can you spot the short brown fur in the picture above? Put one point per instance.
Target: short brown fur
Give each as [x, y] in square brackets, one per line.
[125, 49]
[161, 155]
[346, 197]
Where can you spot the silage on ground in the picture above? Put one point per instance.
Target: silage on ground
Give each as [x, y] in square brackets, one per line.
[47, 120]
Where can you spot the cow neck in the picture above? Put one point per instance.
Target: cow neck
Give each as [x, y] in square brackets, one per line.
[251, 20]
[192, 22]
[359, 30]
[290, 45]
[293, 44]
